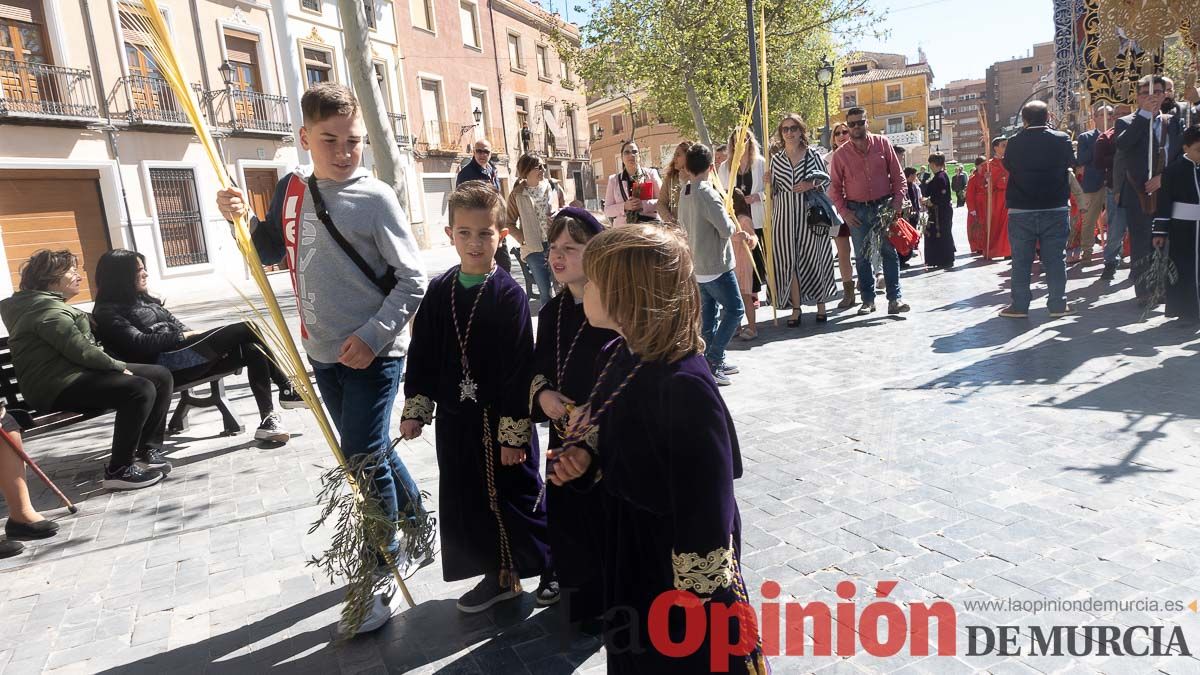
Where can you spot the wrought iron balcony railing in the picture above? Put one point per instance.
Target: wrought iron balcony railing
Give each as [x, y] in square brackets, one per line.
[45, 91]
[145, 99]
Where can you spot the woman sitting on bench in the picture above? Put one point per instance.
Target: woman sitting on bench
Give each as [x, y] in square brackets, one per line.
[135, 326]
[62, 369]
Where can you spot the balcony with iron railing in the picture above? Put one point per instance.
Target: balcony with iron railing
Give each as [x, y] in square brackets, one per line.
[250, 113]
[148, 101]
[556, 147]
[400, 129]
[41, 92]
[454, 137]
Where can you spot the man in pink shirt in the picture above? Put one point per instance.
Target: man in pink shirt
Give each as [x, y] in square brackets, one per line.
[868, 177]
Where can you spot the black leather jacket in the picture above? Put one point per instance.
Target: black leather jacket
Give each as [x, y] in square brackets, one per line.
[137, 332]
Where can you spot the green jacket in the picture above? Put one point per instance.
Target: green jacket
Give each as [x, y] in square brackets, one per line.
[52, 345]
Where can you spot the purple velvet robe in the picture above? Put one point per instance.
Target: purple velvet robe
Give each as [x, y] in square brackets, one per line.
[574, 517]
[667, 455]
[500, 355]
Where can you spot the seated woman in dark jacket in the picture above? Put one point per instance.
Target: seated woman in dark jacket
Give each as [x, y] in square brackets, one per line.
[135, 326]
[61, 368]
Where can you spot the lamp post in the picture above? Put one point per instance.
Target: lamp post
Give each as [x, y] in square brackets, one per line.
[824, 79]
[226, 71]
[478, 115]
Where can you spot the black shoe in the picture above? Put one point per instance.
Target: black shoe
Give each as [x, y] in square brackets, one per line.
[485, 594]
[10, 548]
[149, 458]
[131, 477]
[42, 529]
[1109, 273]
[271, 430]
[289, 399]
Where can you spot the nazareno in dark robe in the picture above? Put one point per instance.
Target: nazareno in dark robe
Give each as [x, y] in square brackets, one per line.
[575, 517]
[666, 454]
[939, 234]
[500, 354]
[1178, 219]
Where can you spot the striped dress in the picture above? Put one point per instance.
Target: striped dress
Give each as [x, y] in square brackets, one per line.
[800, 253]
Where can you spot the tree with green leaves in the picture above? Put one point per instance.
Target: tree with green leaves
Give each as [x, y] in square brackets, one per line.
[690, 58]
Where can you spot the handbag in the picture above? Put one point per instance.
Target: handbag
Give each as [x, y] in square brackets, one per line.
[384, 283]
[818, 220]
[904, 237]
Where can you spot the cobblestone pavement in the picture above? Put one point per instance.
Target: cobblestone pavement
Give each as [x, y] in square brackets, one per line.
[966, 456]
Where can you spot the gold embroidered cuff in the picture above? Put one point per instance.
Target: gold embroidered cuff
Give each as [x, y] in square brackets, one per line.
[514, 433]
[704, 574]
[539, 383]
[419, 408]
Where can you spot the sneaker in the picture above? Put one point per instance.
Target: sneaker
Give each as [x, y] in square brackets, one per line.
[1011, 312]
[485, 594]
[271, 430]
[547, 593]
[381, 611]
[131, 477]
[897, 307]
[728, 369]
[289, 399]
[721, 378]
[1110, 272]
[149, 458]
[1059, 313]
[867, 308]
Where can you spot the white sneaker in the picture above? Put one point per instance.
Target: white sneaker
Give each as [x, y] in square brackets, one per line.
[271, 430]
[382, 609]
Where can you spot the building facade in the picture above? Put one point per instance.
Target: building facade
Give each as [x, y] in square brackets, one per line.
[895, 95]
[964, 135]
[1010, 83]
[95, 152]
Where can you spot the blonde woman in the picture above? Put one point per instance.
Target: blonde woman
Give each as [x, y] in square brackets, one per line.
[674, 180]
[750, 179]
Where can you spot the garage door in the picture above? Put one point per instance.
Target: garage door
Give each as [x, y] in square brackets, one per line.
[437, 196]
[54, 210]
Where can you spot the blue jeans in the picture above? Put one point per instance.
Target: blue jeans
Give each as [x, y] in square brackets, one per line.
[360, 403]
[540, 271]
[1028, 230]
[721, 291]
[1114, 246]
[869, 217]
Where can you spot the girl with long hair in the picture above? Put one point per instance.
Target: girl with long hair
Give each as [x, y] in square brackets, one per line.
[673, 182]
[839, 137]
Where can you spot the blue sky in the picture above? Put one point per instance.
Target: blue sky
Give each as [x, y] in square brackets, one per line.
[961, 38]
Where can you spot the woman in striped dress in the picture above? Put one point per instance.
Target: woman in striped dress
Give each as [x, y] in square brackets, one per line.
[803, 257]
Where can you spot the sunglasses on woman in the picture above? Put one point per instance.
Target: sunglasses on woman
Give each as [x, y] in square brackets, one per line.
[842, 132]
[790, 129]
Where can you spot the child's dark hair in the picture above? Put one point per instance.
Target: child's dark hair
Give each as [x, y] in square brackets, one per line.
[909, 171]
[698, 159]
[476, 196]
[325, 100]
[564, 223]
[1190, 135]
[938, 159]
[740, 207]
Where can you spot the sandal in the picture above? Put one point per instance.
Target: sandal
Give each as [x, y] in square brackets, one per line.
[747, 335]
[822, 318]
[794, 321]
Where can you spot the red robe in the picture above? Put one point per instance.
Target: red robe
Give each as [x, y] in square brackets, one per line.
[975, 231]
[997, 234]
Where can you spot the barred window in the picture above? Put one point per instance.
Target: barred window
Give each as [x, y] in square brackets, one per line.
[311, 5]
[180, 225]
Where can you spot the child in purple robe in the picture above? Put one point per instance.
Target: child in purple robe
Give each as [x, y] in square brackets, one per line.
[656, 436]
[563, 373]
[470, 359]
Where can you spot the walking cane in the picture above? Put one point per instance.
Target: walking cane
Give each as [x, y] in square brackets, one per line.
[16, 446]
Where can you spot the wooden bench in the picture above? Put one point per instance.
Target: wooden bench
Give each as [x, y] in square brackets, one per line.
[36, 423]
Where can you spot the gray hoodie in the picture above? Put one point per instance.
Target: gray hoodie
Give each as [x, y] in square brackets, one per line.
[336, 299]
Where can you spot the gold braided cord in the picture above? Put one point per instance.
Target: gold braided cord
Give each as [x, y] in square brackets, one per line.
[509, 576]
[148, 19]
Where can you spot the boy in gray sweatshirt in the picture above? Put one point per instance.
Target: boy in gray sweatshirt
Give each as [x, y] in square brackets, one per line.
[712, 235]
[355, 296]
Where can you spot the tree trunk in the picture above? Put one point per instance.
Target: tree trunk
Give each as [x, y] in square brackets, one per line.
[697, 112]
[374, 109]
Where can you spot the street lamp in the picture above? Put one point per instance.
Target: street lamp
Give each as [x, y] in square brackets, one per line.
[226, 71]
[478, 115]
[824, 79]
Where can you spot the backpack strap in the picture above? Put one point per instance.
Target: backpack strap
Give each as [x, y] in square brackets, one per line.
[387, 282]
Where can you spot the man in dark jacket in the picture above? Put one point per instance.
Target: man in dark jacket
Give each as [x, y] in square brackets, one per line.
[1143, 145]
[1038, 159]
[1094, 194]
[480, 168]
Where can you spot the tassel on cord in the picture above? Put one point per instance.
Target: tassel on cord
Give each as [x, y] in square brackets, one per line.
[146, 17]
